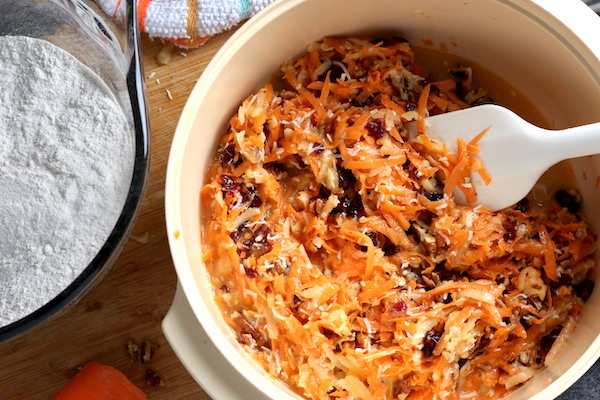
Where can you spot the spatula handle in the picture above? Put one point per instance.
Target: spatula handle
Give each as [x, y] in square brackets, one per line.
[573, 142]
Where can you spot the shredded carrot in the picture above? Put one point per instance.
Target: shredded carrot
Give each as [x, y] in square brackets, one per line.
[549, 255]
[375, 163]
[341, 259]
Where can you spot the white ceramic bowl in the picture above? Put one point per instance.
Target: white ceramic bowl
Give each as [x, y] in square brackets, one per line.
[547, 48]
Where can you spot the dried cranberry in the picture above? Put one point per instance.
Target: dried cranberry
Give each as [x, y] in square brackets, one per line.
[391, 249]
[250, 272]
[356, 207]
[346, 178]
[261, 235]
[410, 107]
[297, 300]
[375, 128]
[447, 299]
[563, 280]
[247, 192]
[412, 231]
[228, 184]
[584, 289]
[256, 241]
[399, 307]
[250, 196]
[443, 272]
[342, 207]
[374, 238]
[224, 288]
[511, 230]
[256, 201]
[433, 196]
[227, 155]
[522, 205]
[426, 216]
[431, 340]
[335, 72]
[324, 193]
[328, 333]
[524, 320]
[484, 342]
[569, 199]
[235, 235]
[318, 148]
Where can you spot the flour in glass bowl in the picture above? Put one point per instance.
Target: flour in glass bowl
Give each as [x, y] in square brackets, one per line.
[66, 161]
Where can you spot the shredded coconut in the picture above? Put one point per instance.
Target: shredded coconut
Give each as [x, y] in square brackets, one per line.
[66, 161]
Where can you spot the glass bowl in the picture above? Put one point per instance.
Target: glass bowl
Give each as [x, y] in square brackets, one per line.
[109, 47]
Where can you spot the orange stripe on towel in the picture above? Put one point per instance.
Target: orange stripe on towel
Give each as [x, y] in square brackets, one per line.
[192, 20]
[142, 9]
[117, 8]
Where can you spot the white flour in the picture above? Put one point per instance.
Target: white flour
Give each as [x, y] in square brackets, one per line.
[66, 159]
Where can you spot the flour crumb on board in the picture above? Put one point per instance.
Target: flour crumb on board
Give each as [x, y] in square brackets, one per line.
[182, 54]
[133, 350]
[169, 95]
[152, 75]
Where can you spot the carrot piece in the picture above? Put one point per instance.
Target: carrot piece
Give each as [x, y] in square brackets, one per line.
[390, 105]
[460, 170]
[314, 102]
[477, 138]
[99, 382]
[375, 163]
[549, 255]
[358, 128]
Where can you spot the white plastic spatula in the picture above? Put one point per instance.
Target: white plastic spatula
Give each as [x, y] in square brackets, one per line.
[515, 152]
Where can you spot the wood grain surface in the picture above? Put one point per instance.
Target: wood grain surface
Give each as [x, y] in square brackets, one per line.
[131, 301]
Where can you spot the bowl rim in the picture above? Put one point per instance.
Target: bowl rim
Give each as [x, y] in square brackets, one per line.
[110, 250]
[572, 17]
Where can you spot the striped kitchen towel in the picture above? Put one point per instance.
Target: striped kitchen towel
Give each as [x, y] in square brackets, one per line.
[188, 23]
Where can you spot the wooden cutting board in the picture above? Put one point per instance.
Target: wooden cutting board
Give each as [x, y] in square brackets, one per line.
[130, 303]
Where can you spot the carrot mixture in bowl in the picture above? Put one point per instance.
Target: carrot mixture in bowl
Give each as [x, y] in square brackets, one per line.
[341, 259]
